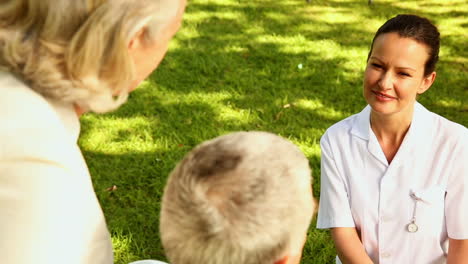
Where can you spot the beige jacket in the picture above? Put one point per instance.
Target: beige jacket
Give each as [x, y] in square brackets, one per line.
[49, 213]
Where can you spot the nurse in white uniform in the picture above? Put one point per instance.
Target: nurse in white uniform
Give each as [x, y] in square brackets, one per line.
[394, 183]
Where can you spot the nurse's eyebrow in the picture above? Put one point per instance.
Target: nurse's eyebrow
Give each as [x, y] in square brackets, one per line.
[398, 67]
[406, 68]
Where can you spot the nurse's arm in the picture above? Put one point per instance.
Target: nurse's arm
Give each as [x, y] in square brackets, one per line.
[348, 246]
[458, 251]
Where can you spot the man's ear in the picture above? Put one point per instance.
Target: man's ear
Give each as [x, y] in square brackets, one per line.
[283, 260]
[427, 82]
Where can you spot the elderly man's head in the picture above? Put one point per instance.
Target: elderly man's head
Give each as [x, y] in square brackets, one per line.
[240, 198]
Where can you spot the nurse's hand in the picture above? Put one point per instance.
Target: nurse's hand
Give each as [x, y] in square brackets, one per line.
[349, 247]
[458, 251]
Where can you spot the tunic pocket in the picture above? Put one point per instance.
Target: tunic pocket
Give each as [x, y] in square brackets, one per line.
[430, 210]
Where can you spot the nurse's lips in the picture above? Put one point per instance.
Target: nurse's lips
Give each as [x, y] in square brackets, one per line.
[383, 97]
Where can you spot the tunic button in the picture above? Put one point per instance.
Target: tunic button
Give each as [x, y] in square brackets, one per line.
[386, 218]
[385, 255]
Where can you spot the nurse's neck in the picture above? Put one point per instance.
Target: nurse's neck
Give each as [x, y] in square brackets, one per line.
[391, 129]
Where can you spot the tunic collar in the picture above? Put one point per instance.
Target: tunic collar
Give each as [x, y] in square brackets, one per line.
[418, 135]
[362, 124]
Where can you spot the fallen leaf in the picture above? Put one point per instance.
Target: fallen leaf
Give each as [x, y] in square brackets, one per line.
[111, 189]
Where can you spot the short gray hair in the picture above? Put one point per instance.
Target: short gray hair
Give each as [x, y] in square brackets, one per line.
[76, 50]
[240, 198]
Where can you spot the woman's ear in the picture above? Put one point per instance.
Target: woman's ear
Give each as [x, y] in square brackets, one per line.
[427, 82]
[137, 40]
[283, 260]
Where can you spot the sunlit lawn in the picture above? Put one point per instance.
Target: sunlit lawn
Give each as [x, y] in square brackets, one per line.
[283, 66]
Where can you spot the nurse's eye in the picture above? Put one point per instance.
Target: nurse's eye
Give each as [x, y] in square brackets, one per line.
[404, 74]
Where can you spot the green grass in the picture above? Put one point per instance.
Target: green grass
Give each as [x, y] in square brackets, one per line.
[234, 66]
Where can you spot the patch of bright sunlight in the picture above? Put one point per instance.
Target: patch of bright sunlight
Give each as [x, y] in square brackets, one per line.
[435, 6]
[355, 58]
[326, 48]
[117, 135]
[309, 150]
[199, 17]
[453, 26]
[453, 59]
[145, 84]
[333, 14]
[317, 106]
[315, 27]
[355, 75]
[296, 44]
[174, 44]
[371, 26]
[287, 3]
[449, 103]
[217, 100]
[239, 116]
[221, 3]
[121, 245]
[254, 30]
[335, 17]
[235, 48]
[279, 17]
[195, 97]
[309, 104]
[317, 10]
[331, 114]
[187, 31]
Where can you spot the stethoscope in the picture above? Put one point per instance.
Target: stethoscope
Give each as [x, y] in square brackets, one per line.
[412, 227]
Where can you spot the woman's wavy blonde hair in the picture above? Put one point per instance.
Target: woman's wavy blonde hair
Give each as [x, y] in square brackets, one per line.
[77, 50]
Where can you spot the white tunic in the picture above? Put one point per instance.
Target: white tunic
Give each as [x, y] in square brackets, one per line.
[49, 213]
[360, 189]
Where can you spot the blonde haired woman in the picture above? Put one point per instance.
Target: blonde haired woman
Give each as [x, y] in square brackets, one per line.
[58, 59]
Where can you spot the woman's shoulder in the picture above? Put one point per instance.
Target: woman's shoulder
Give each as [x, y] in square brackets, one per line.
[448, 129]
[447, 133]
[18, 99]
[28, 120]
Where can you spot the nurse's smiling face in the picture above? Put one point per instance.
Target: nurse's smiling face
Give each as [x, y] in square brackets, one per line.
[394, 74]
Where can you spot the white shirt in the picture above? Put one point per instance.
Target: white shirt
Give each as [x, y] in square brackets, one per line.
[49, 213]
[360, 189]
